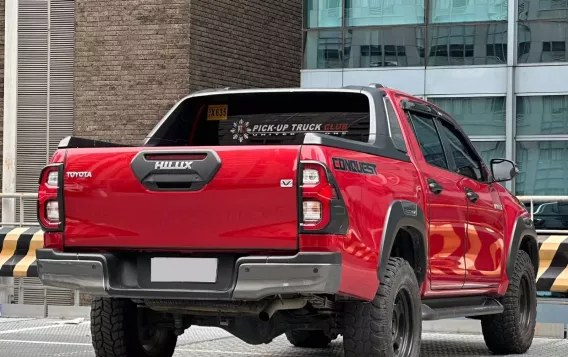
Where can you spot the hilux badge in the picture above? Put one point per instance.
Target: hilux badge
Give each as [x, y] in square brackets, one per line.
[173, 165]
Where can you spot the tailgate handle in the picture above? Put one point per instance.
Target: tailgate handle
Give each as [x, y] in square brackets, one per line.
[175, 170]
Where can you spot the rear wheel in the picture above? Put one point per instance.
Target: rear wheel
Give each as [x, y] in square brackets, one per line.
[391, 324]
[118, 329]
[512, 332]
[308, 338]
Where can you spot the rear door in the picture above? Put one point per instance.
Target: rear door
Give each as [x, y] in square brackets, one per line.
[447, 207]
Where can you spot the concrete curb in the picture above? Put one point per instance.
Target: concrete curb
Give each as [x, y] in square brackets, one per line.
[473, 327]
[68, 312]
[14, 310]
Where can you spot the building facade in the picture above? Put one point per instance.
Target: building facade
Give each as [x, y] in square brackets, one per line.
[111, 69]
[499, 67]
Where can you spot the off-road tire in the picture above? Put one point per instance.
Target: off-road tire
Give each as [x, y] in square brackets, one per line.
[114, 331]
[308, 338]
[505, 333]
[369, 326]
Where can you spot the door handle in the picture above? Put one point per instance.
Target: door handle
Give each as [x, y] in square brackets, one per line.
[434, 186]
[472, 196]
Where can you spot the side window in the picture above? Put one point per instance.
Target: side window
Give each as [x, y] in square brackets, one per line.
[396, 130]
[429, 140]
[467, 162]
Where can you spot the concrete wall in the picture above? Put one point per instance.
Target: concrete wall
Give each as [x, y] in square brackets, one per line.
[245, 43]
[131, 65]
[2, 14]
[135, 59]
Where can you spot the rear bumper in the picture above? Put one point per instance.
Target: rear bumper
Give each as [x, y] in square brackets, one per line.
[243, 278]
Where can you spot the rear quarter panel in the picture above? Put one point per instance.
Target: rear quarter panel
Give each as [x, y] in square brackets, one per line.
[367, 198]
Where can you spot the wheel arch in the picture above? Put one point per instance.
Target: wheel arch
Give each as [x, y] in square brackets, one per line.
[405, 224]
[524, 238]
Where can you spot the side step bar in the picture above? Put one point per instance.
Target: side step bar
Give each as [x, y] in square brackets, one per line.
[460, 307]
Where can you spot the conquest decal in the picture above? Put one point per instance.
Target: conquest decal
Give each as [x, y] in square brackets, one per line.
[359, 167]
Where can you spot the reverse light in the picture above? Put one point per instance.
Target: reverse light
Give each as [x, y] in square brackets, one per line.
[310, 177]
[312, 211]
[53, 178]
[52, 211]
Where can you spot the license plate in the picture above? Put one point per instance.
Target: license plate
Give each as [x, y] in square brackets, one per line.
[217, 112]
[183, 270]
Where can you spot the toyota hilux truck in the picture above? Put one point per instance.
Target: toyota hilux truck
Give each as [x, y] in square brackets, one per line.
[311, 213]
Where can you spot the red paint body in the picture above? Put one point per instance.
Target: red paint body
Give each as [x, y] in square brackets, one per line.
[244, 209]
[239, 210]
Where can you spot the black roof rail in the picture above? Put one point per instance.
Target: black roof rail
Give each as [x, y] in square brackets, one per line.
[376, 85]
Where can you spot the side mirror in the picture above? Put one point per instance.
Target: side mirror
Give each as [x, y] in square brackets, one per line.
[503, 170]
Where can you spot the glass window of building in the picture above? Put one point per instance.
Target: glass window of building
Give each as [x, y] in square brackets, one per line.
[543, 168]
[391, 47]
[477, 116]
[541, 42]
[489, 150]
[542, 115]
[383, 12]
[459, 45]
[543, 10]
[454, 11]
[323, 13]
[322, 49]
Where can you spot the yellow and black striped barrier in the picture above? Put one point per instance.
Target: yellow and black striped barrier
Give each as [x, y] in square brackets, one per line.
[18, 257]
[18, 251]
[553, 270]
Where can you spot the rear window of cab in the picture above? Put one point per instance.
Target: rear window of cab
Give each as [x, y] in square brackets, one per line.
[264, 118]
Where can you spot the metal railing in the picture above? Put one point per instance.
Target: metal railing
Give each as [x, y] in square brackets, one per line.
[20, 197]
[531, 200]
[20, 287]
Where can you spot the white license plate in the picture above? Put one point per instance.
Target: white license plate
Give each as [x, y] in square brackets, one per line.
[183, 270]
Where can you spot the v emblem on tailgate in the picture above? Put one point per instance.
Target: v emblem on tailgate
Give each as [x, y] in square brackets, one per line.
[286, 183]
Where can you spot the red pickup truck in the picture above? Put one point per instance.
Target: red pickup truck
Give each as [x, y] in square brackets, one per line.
[314, 213]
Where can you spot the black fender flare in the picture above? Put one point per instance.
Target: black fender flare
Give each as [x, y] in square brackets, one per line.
[402, 213]
[522, 228]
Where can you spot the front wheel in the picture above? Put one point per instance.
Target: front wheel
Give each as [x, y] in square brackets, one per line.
[391, 324]
[512, 332]
[117, 330]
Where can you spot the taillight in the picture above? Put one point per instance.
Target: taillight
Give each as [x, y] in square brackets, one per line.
[323, 209]
[53, 240]
[50, 198]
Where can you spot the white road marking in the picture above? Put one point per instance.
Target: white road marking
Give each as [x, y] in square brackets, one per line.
[47, 343]
[181, 349]
[29, 329]
[221, 352]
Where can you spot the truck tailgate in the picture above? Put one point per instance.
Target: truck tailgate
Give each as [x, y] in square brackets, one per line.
[211, 198]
